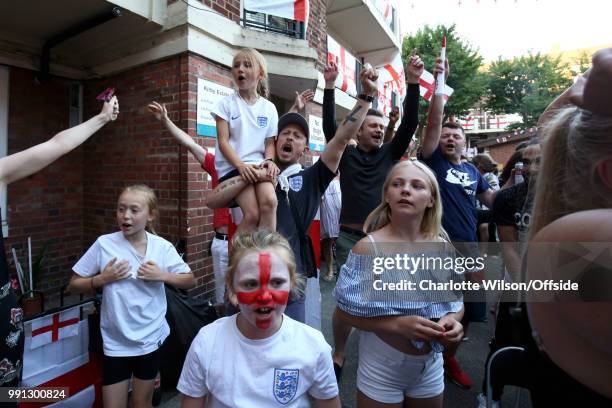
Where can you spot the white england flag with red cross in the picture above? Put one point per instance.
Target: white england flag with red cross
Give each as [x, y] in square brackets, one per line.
[346, 66]
[391, 78]
[54, 327]
[291, 9]
[427, 83]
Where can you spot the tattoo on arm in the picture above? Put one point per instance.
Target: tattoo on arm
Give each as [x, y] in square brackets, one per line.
[229, 183]
[351, 116]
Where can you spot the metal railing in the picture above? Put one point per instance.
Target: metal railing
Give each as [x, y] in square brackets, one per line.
[273, 24]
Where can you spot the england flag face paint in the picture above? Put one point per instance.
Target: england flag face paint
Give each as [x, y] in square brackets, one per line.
[262, 286]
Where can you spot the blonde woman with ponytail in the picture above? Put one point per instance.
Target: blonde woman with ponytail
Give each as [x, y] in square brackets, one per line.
[412, 328]
[573, 209]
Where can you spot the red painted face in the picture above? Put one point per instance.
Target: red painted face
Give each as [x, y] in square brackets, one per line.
[267, 297]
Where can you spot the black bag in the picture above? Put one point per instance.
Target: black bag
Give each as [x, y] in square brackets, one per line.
[307, 254]
[185, 316]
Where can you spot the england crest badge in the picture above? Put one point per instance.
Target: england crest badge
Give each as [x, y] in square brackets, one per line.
[285, 384]
[262, 121]
[295, 183]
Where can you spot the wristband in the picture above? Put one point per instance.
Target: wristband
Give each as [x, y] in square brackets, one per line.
[367, 98]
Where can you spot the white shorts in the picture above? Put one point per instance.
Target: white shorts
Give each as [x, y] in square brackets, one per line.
[386, 375]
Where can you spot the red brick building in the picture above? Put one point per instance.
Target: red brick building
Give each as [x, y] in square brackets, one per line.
[148, 50]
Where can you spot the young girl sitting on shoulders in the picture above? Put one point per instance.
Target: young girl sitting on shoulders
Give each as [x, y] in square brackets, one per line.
[132, 265]
[246, 128]
[259, 357]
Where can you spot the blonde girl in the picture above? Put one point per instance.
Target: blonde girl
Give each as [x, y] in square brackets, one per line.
[130, 266]
[572, 216]
[259, 357]
[246, 129]
[409, 329]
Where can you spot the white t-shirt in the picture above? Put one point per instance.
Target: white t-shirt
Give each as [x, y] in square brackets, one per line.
[132, 321]
[249, 127]
[275, 372]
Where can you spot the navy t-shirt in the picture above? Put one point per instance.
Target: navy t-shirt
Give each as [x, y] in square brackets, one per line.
[305, 189]
[459, 186]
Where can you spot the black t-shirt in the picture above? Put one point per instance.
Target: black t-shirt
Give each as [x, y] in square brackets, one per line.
[305, 190]
[11, 327]
[362, 174]
[512, 207]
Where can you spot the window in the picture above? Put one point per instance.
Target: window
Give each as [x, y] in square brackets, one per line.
[274, 24]
[75, 115]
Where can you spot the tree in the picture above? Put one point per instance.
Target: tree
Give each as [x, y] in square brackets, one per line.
[525, 85]
[464, 61]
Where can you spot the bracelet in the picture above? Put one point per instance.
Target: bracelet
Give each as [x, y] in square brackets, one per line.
[367, 98]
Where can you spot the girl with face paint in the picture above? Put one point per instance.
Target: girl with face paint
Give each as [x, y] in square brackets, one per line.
[259, 357]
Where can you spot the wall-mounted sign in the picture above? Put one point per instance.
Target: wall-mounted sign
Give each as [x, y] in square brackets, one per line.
[209, 95]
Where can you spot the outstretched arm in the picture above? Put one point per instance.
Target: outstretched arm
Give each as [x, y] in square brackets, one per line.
[434, 117]
[301, 99]
[161, 114]
[27, 162]
[335, 147]
[410, 121]
[393, 118]
[329, 104]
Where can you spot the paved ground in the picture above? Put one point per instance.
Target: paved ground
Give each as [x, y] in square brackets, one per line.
[472, 354]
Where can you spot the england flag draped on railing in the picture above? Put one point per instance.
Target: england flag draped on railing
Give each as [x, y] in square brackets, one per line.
[291, 9]
[57, 355]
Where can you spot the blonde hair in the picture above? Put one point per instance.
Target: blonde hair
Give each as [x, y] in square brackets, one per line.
[262, 240]
[431, 224]
[574, 143]
[255, 58]
[150, 199]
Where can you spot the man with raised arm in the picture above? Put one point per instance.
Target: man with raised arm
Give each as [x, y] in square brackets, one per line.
[460, 185]
[299, 190]
[363, 170]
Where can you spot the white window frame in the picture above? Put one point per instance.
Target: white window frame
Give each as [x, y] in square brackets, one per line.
[4, 107]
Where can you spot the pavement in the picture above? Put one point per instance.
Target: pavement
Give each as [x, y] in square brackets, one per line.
[472, 354]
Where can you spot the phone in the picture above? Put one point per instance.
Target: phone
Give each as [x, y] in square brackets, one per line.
[106, 95]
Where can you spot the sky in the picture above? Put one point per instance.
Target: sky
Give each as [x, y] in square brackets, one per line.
[509, 28]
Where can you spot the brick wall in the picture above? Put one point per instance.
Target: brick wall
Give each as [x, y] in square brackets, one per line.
[200, 217]
[47, 205]
[137, 149]
[228, 8]
[317, 30]
[501, 153]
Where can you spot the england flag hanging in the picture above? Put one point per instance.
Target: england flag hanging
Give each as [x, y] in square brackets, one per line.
[291, 9]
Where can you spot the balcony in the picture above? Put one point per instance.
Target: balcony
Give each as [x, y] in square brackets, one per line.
[274, 24]
[362, 26]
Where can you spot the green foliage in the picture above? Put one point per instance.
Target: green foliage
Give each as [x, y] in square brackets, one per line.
[525, 85]
[464, 78]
